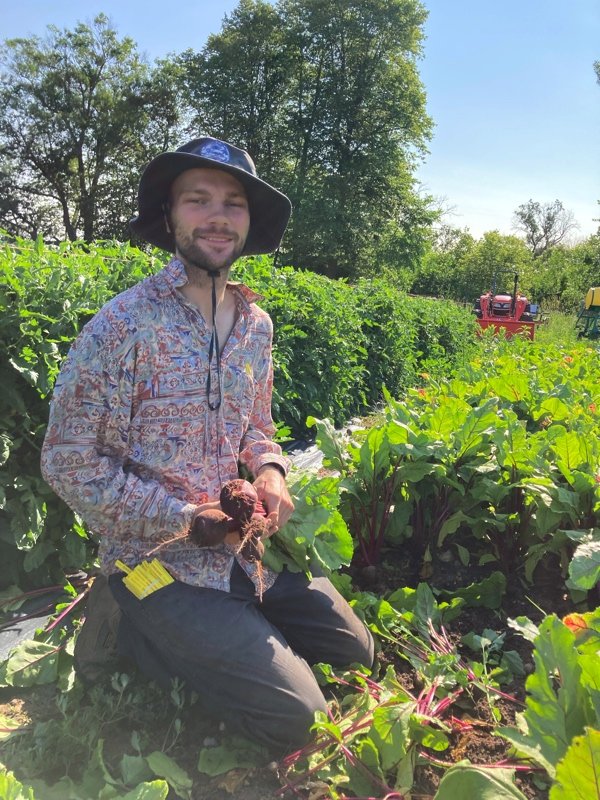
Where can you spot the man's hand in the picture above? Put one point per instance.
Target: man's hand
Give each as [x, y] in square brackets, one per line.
[273, 493]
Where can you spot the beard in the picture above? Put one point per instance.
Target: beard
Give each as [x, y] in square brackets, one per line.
[193, 254]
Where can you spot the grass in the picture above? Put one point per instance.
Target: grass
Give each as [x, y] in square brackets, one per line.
[559, 329]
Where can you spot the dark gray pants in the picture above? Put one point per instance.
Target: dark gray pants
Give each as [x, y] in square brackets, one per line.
[247, 660]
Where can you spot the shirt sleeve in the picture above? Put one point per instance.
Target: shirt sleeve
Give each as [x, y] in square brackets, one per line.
[84, 455]
[257, 447]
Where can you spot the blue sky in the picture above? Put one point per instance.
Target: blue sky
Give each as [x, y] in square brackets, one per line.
[510, 86]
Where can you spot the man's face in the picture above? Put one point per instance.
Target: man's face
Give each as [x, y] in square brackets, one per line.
[209, 217]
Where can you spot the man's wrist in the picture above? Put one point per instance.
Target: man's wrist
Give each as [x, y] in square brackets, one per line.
[271, 465]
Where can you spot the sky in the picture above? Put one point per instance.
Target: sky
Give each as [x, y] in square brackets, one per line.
[510, 87]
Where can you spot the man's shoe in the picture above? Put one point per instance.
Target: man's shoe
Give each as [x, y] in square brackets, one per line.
[96, 653]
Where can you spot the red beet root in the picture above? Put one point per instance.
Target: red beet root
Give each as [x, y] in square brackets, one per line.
[210, 527]
[251, 548]
[238, 499]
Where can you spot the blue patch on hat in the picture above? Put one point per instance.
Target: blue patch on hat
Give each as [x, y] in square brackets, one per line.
[216, 151]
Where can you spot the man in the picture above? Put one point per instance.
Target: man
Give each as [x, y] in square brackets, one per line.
[165, 393]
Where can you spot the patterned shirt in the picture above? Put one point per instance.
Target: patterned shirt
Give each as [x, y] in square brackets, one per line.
[132, 446]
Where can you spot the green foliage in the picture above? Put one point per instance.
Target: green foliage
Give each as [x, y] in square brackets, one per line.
[466, 780]
[316, 534]
[80, 115]
[584, 569]
[336, 345]
[375, 736]
[378, 731]
[461, 268]
[319, 349]
[405, 336]
[235, 752]
[458, 267]
[11, 788]
[577, 774]
[33, 663]
[559, 329]
[502, 459]
[369, 745]
[563, 697]
[562, 277]
[326, 96]
[46, 296]
[70, 756]
[488, 593]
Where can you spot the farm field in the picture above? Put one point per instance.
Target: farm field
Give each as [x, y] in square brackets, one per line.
[446, 477]
[471, 511]
[458, 514]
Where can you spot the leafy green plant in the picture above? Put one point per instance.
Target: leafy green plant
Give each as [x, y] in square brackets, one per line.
[75, 744]
[466, 780]
[563, 694]
[370, 746]
[11, 788]
[584, 568]
[46, 295]
[316, 534]
[577, 773]
[502, 461]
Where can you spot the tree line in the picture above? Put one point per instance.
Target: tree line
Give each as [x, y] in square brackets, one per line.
[324, 94]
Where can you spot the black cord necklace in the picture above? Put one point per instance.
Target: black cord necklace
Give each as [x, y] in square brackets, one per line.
[213, 350]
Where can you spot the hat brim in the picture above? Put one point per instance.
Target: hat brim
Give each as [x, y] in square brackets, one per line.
[269, 209]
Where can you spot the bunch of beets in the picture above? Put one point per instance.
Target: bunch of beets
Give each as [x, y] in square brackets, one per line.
[240, 511]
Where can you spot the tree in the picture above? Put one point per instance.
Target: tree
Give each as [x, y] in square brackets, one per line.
[237, 83]
[327, 97]
[460, 268]
[439, 272]
[80, 114]
[563, 278]
[544, 225]
[358, 109]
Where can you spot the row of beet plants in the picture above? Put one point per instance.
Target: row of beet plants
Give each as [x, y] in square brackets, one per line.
[378, 734]
[501, 463]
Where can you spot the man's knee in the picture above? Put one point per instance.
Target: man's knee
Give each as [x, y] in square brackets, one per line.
[352, 643]
[289, 727]
[360, 649]
[304, 717]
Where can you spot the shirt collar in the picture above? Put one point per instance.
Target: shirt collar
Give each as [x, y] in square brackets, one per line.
[175, 276]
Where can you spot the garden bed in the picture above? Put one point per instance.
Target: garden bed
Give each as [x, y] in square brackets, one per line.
[56, 744]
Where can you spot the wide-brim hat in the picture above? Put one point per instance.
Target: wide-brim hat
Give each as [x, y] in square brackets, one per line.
[269, 209]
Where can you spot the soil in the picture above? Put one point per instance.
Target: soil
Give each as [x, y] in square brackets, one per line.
[471, 739]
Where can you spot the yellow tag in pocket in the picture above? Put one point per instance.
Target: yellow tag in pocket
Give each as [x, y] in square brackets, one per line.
[146, 578]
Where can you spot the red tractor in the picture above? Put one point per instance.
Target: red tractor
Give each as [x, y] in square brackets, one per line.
[512, 313]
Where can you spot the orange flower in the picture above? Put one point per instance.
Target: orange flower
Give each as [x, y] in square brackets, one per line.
[592, 407]
[568, 359]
